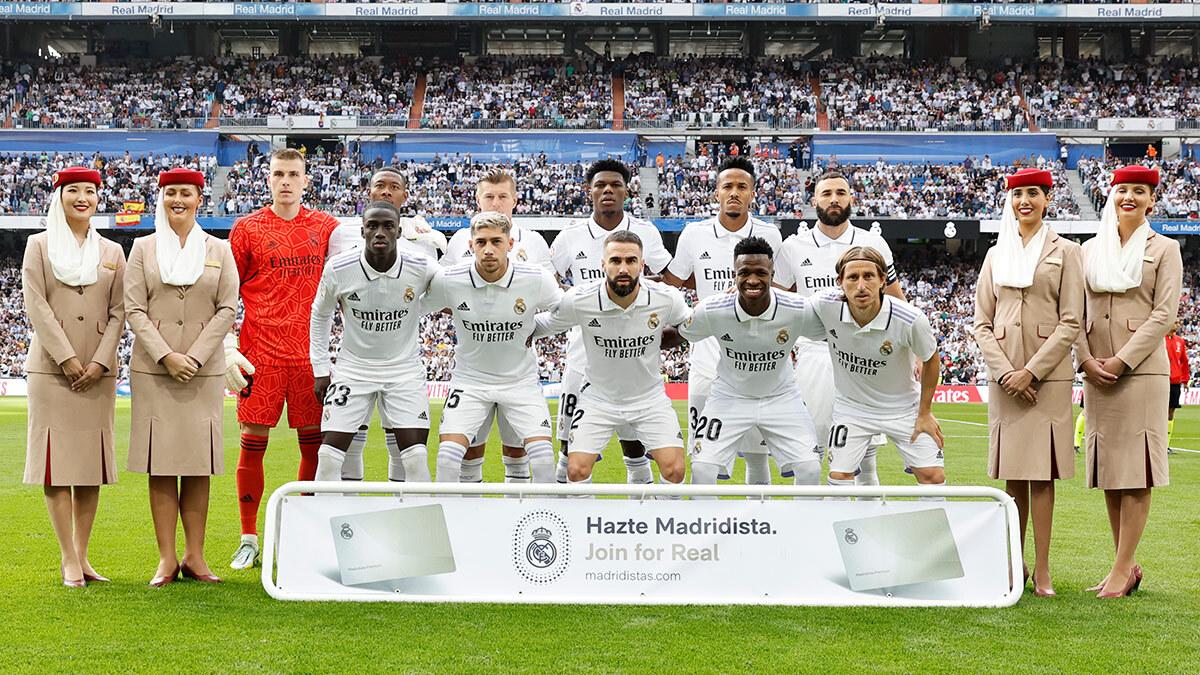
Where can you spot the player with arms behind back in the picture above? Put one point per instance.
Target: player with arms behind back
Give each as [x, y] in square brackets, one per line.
[280, 252]
[754, 389]
[872, 340]
[379, 290]
[494, 301]
[497, 191]
[704, 261]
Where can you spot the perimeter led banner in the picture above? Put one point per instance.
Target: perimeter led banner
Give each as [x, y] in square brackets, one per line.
[456, 548]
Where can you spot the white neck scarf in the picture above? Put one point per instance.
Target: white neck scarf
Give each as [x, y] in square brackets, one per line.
[1111, 267]
[72, 264]
[177, 265]
[1013, 262]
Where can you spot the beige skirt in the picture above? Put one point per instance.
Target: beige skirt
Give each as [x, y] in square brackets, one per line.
[176, 428]
[70, 434]
[1031, 442]
[1127, 433]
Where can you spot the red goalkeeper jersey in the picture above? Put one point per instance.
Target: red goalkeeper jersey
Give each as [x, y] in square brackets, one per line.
[280, 264]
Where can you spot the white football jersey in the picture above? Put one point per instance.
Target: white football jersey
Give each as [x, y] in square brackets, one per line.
[578, 252]
[623, 346]
[808, 258]
[493, 320]
[381, 317]
[529, 246]
[705, 249]
[754, 352]
[873, 364]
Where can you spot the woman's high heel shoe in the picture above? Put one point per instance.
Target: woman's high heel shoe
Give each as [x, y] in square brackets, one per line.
[160, 581]
[1042, 592]
[1137, 575]
[1129, 586]
[188, 573]
[95, 577]
[72, 583]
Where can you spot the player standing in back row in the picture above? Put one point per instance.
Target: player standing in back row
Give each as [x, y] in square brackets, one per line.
[806, 266]
[704, 261]
[280, 252]
[578, 252]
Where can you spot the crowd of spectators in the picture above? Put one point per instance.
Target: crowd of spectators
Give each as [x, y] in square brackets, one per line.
[312, 85]
[719, 91]
[1178, 194]
[1081, 91]
[687, 186]
[518, 92]
[25, 178]
[885, 94]
[972, 189]
[175, 93]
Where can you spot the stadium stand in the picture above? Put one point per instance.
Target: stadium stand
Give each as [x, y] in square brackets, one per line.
[25, 178]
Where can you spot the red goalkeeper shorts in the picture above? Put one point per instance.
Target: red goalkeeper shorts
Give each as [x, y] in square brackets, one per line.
[261, 402]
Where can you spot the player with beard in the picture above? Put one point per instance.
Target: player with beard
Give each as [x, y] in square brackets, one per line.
[806, 265]
[621, 319]
[704, 261]
[578, 252]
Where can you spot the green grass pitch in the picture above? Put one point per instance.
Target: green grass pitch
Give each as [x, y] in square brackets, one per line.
[191, 627]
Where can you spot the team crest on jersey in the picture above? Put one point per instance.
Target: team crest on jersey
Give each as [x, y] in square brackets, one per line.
[410, 294]
[312, 239]
[886, 347]
[522, 255]
[783, 336]
[652, 322]
[833, 333]
[519, 306]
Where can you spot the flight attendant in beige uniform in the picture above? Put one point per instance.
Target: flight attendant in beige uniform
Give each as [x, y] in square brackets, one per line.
[1133, 279]
[1028, 309]
[181, 299]
[72, 284]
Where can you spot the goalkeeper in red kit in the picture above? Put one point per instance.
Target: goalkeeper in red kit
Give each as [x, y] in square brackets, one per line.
[280, 252]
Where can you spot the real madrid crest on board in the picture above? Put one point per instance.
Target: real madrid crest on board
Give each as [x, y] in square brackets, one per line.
[783, 336]
[886, 347]
[653, 320]
[519, 306]
[541, 549]
[409, 294]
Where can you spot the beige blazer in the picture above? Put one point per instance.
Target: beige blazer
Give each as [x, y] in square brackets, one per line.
[1035, 327]
[192, 320]
[1132, 325]
[85, 322]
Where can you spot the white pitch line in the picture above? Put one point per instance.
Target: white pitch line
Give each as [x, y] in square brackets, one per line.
[974, 424]
[1194, 452]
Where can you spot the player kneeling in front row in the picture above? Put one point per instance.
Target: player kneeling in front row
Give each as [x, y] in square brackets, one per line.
[494, 302]
[379, 290]
[754, 388]
[622, 318]
[872, 339]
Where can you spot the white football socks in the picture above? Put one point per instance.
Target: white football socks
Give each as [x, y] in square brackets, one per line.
[540, 455]
[516, 469]
[758, 468]
[560, 471]
[415, 460]
[450, 461]
[472, 471]
[867, 473]
[637, 470]
[329, 463]
[352, 468]
[395, 464]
